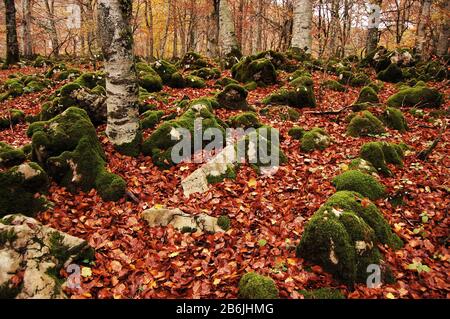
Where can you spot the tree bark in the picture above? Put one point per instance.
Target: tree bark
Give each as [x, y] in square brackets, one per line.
[163, 42]
[27, 39]
[444, 32]
[213, 32]
[421, 28]
[12, 45]
[301, 32]
[334, 28]
[116, 40]
[374, 22]
[149, 24]
[227, 34]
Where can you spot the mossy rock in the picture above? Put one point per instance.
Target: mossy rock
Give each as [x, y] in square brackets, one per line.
[245, 120]
[20, 186]
[358, 107]
[278, 59]
[165, 70]
[225, 81]
[298, 97]
[298, 73]
[333, 85]
[393, 74]
[151, 82]
[68, 147]
[207, 73]
[91, 79]
[55, 70]
[322, 293]
[10, 156]
[261, 71]
[67, 74]
[353, 79]
[285, 113]
[381, 153]
[160, 143]
[296, 132]
[417, 96]
[233, 97]
[195, 82]
[394, 118]
[177, 81]
[365, 124]
[251, 86]
[232, 58]
[316, 138]
[255, 286]
[15, 117]
[376, 85]
[367, 95]
[193, 61]
[357, 181]
[342, 237]
[150, 119]
[362, 165]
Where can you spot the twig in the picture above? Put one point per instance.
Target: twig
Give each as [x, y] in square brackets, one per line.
[132, 196]
[423, 155]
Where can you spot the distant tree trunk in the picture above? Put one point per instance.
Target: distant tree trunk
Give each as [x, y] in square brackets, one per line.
[444, 32]
[175, 33]
[374, 22]
[50, 7]
[334, 28]
[227, 34]
[301, 32]
[27, 40]
[12, 45]
[193, 23]
[259, 27]
[162, 47]
[116, 38]
[421, 28]
[149, 24]
[213, 32]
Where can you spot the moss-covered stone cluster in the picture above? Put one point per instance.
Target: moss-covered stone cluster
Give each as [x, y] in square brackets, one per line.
[342, 236]
[367, 95]
[255, 286]
[233, 97]
[353, 78]
[316, 138]
[364, 124]
[68, 148]
[366, 185]
[11, 118]
[10, 156]
[207, 73]
[299, 94]
[285, 113]
[394, 119]
[149, 79]
[379, 154]
[252, 69]
[417, 96]
[244, 120]
[151, 118]
[393, 74]
[17, 85]
[333, 85]
[193, 61]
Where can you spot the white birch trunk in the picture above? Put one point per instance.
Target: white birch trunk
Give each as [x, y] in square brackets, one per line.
[373, 24]
[301, 31]
[121, 81]
[421, 32]
[227, 34]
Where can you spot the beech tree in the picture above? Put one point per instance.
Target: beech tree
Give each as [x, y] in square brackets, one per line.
[421, 28]
[442, 45]
[121, 80]
[227, 34]
[12, 45]
[301, 33]
[373, 24]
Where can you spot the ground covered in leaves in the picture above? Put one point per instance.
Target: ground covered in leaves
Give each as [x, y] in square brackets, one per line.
[268, 213]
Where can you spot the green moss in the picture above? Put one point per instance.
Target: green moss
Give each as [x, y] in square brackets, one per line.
[249, 69]
[132, 148]
[151, 118]
[316, 138]
[245, 120]
[301, 96]
[381, 153]
[376, 85]
[353, 79]
[111, 187]
[20, 184]
[10, 156]
[359, 182]
[362, 165]
[195, 82]
[99, 90]
[394, 119]
[333, 85]
[207, 73]
[285, 113]
[251, 86]
[193, 61]
[392, 74]
[177, 81]
[296, 132]
[255, 286]
[367, 95]
[233, 97]
[417, 96]
[365, 124]
[68, 147]
[225, 81]
[322, 293]
[67, 89]
[151, 83]
[165, 70]
[224, 222]
[91, 79]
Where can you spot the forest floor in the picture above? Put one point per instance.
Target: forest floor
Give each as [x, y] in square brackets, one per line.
[268, 213]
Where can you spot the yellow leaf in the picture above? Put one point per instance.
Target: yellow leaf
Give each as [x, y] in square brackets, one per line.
[216, 281]
[158, 206]
[86, 272]
[291, 261]
[344, 167]
[174, 254]
[389, 295]
[252, 182]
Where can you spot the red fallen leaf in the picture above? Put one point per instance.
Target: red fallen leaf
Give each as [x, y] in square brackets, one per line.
[365, 202]
[317, 269]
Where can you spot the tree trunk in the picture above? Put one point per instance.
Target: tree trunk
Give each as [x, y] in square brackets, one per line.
[213, 32]
[444, 32]
[259, 27]
[301, 32]
[116, 40]
[334, 28]
[12, 45]
[421, 28]
[52, 27]
[175, 33]
[27, 40]
[374, 22]
[227, 34]
[149, 24]
[162, 47]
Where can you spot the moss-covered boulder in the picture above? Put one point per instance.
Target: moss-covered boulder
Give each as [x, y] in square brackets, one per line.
[302, 95]
[193, 61]
[333, 85]
[244, 120]
[207, 73]
[150, 119]
[195, 82]
[381, 153]
[296, 132]
[233, 97]
[418, 96]
[21, 186]
[283, 112]
[10, 156]
[160, 143]
[165, 70]
[314, 139]
[357, 181]
[392, 74]
[365, 124]
[394, 119]
[353, 79]
[68, 147]
[255, 286]
[19, 85]
[261, 71]
[342, 237]
[225, 81]
[362, 165]
[367, 95]
[11, 118]
[149, 79]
